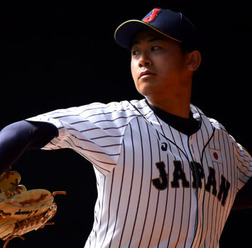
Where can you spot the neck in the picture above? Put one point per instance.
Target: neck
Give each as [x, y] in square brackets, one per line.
[179, 106]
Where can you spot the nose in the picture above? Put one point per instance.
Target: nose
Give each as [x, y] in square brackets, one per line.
[144, 59]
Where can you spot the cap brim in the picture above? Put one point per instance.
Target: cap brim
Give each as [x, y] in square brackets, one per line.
[126, 32]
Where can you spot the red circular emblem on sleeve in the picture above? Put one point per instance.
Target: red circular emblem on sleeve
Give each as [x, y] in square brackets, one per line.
[215, 154]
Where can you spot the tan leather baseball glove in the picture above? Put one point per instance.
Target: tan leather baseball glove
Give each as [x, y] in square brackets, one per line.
[23, 211]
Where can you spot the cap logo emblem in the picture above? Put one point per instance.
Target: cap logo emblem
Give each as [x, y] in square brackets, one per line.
[152, 16]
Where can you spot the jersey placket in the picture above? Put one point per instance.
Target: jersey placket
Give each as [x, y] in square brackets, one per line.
[199, 184]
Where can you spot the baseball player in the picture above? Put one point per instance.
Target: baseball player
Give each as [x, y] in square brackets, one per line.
[167, 175]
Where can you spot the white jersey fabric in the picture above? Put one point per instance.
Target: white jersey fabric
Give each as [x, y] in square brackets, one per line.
[157, 187]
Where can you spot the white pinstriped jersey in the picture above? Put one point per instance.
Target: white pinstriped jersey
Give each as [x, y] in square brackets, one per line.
[157, 187]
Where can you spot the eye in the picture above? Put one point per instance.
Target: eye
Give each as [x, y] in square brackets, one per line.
[155, 48]
[135, 52]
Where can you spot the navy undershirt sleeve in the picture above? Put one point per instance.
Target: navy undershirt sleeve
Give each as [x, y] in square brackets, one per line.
[23, 135]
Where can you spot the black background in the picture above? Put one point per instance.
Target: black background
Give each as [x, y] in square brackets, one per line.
[59, 54]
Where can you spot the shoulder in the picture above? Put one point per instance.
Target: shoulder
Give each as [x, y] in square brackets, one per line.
[92, 110]
[217, 125]
[221, 131]
[198, 113]
[112, 110]
[97, 113]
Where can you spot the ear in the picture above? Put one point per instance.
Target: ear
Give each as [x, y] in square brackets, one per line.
[194, 60]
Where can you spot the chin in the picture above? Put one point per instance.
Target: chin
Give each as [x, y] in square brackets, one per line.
[146, 91]
[146, 86]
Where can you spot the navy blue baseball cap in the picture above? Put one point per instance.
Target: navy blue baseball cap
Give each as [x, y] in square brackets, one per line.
[171, 24]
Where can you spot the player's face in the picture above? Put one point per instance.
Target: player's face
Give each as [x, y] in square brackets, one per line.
[158, 66]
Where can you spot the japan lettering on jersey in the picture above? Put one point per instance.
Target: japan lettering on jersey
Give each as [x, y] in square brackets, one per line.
[157, 187]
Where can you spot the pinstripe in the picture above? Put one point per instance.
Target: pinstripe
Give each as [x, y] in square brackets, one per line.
[125, 144]
[108, 208]
[131, 183]
[100, 210]
[165, 212]
[148, 192]
[141, 182]
[173, 227]
[179, 228]
[119, 199]
[225, 172]
[156, 209]
[212, 217]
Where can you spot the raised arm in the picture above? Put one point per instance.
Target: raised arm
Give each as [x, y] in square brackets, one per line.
[20, 136]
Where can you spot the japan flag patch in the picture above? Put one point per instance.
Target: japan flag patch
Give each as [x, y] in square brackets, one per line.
[216, 155]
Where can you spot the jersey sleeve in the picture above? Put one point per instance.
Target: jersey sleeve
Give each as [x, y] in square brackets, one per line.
[95, 131]
[242, 158]
[244, 165]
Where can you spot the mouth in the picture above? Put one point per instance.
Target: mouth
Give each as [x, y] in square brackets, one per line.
[146, 73]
